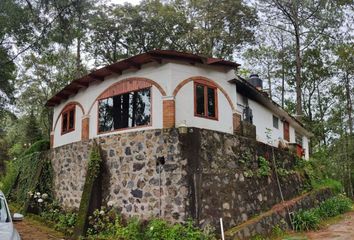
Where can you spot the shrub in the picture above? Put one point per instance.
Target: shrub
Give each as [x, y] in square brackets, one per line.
[39, 146]
[264, 168]
[106, 224]
[335, 206]
[306, 220]
[335, 185]
[309, 220]
[66, 223]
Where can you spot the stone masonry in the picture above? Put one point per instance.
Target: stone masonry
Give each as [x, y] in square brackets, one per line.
[206, 175]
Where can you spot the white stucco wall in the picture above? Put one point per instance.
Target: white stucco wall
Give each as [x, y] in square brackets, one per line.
[169, 75]
[263, 120]
[69, 137]
[185, 111]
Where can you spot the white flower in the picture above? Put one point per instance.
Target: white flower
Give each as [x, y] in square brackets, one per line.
[30, 193]
[44, 196]
[151, 228]
[40, 200]
[38, 193]
[102, 212]
[110, 203]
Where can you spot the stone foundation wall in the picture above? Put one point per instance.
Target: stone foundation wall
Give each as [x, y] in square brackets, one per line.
[278, 217]
[206, 175]
[226, 181]
[131, 178]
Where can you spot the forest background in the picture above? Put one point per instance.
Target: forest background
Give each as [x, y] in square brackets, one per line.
[303, 50]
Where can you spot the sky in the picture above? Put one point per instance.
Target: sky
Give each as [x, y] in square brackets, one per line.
[123, 1]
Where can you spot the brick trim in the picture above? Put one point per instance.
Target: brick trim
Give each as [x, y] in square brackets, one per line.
[85, 128]
[169, 111]
[205, 81]
[66, 107]
[127, 85]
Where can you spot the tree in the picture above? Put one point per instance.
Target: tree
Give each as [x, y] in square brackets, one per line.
[42, 77]
[219, 27]
[309, 22]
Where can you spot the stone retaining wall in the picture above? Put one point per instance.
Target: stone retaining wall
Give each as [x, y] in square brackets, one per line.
[278, 217]
[206, 175]
[131, 178]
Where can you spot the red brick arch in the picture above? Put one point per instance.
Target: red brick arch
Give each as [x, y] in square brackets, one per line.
[128, 85]
[205, 81]
[69, 104]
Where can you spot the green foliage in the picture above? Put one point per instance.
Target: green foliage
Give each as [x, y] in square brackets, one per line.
[103, 226]
[305, 220]
[94, 164]
[66, 223]
[39, 146]
[335, 206]
[9, 179]
[62, 221]
[248, 173]
[264, 167]
[335, 185]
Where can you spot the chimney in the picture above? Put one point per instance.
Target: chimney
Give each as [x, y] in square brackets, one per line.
[256, 81]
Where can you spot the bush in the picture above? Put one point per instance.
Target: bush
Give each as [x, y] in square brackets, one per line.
[306, 220]
[66, 223]
[264, 167]
[335, 185]
[39, 146]
[105, 224]
[310, 219]
[335, 206]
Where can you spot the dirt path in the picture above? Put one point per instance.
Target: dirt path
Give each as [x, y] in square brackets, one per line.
[30, 230]
[342, 230]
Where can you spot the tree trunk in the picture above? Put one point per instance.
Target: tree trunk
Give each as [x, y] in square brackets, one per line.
[298, 81]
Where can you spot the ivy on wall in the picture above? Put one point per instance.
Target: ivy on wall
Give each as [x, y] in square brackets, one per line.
[29, 173]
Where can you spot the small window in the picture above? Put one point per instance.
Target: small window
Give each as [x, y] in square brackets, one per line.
[205, 104]
[127, 110]
[298, 138]
[275, 122]
[68, 120]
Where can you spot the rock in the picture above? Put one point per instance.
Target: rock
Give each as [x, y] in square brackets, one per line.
[226, 206]
[137, 193]
[128, 151]
[138, 166]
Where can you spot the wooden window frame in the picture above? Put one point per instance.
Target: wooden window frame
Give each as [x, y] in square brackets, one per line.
[206, 85]
[128, 128]
[67, 111]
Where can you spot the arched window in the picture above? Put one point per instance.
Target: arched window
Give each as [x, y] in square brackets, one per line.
[68, 119]
[124, 105]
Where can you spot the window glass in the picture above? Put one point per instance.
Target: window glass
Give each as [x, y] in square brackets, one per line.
[71, 119]
[275, 122]
[211, 102]
[125, 110]
[205, 101]
[65, 122]
[200, 100]
[4, 214]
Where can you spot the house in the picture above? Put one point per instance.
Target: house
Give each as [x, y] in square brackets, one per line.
[178, 135]
[166, 89]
